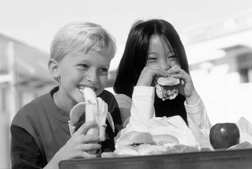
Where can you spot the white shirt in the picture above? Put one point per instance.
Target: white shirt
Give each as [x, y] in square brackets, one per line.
[140, 109]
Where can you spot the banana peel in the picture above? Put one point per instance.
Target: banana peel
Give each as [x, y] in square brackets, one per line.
[95, 109]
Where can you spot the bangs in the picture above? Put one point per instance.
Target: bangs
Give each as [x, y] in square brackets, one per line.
[170, 45]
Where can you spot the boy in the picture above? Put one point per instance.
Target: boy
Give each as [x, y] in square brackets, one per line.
[80, 57]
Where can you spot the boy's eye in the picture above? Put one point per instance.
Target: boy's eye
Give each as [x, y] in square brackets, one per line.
[104, 70]
[83, 66]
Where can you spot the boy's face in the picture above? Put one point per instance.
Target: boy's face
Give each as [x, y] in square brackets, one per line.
[78, 70]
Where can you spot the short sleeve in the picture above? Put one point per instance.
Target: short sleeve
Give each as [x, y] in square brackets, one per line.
[25, 153]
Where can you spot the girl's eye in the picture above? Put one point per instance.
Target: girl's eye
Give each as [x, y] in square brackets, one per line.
[151, 59]
[172, 58]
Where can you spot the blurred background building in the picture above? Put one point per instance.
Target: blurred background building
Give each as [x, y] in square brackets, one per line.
[219, 54]
[23, 76]
[221, 66]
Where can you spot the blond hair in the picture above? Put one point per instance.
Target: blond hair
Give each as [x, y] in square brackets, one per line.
[81, 37]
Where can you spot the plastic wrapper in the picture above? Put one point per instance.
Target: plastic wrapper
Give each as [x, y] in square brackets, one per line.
[174, 126]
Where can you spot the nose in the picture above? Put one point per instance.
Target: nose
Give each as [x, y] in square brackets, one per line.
[91, 76]
[164, 64]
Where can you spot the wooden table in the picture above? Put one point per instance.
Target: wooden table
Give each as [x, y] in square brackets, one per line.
[231, 159]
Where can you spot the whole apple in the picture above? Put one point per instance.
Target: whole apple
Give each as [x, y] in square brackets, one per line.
[224, 135]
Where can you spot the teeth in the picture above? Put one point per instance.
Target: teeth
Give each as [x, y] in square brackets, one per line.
[81, 88]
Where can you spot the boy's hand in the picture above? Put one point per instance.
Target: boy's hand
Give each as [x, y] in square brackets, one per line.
[80, 143]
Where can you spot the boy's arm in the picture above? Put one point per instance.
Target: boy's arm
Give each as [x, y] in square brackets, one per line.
[25, 153]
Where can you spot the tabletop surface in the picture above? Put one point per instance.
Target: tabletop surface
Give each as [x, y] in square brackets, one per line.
[231, 159]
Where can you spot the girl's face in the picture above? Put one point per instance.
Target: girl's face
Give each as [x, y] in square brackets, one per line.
[79, 70]
[161, 53]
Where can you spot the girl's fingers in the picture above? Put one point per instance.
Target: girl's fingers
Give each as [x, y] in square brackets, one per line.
[154, 70]
[179, 73]
[175, 69]
[181, 77]
[148, 73]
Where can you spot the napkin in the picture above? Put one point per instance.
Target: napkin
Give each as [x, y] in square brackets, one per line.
[174, 126]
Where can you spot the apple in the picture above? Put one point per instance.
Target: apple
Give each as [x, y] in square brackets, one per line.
[224, 135]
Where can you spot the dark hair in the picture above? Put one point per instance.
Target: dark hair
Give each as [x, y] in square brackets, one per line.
[136, 52]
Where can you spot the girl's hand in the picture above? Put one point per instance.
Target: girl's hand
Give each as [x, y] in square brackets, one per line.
[186, 86]
[147, 74]
[80, 143]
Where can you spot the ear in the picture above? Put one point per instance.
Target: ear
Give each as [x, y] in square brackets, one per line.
[53, 67]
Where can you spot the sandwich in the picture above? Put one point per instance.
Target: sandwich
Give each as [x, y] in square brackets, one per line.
[143, 143]
[135, 138]
[129, 144]
[167, 87]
